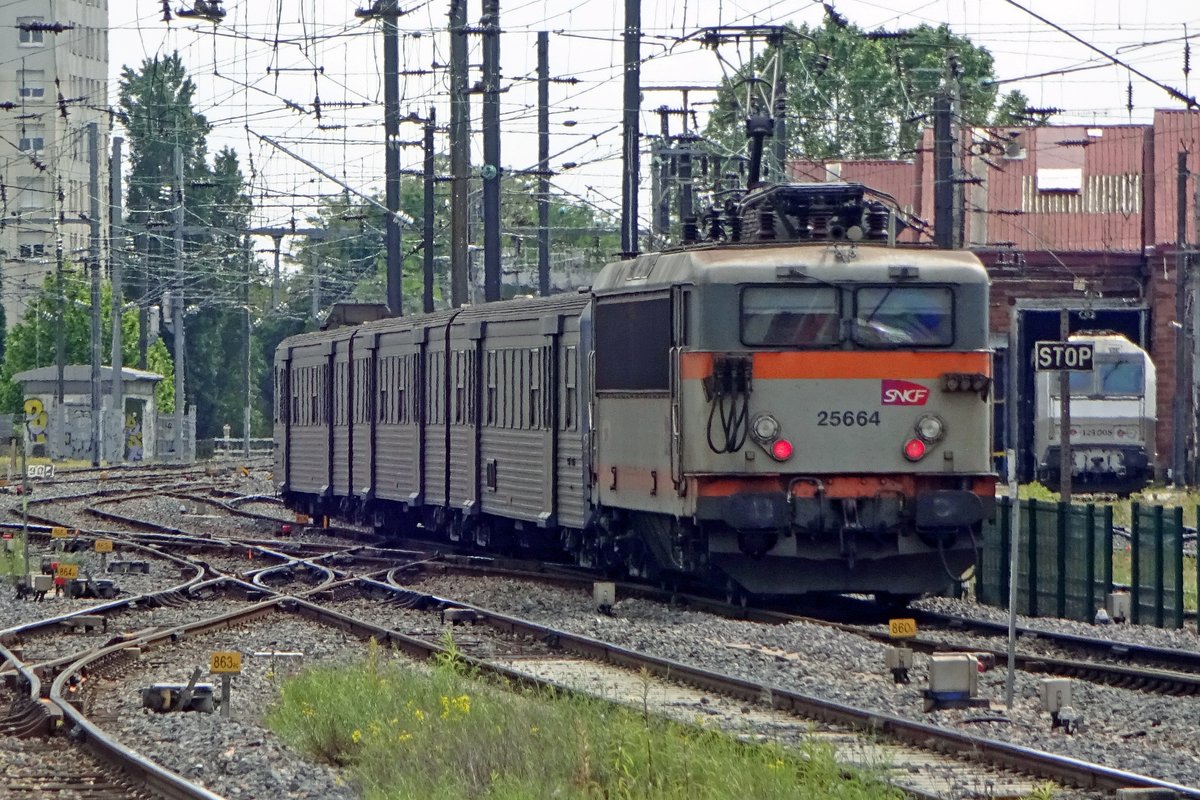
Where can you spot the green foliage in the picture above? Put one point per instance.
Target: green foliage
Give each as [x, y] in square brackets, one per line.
[156, 108]
[31, 343]
[1037, 491]
[850, 96]
[351, 258]
[155, 105]
[407, 733]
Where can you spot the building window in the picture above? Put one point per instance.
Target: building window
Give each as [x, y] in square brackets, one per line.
[32, 250]
[32, 142]
[33, 193]
[31, 83]
[27, 37]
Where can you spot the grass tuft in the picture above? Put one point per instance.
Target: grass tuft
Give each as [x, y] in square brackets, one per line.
[403, 732]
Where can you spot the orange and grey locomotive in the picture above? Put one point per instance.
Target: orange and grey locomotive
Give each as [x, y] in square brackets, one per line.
[792, 407]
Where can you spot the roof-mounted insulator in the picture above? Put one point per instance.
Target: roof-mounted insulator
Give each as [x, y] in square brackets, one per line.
[203, 9]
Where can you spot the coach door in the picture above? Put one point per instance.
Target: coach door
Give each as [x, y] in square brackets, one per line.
[681, 300]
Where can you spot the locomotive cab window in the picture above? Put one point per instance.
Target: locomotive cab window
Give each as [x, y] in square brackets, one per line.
[794, 316]
[900, 316]
[1120, 378]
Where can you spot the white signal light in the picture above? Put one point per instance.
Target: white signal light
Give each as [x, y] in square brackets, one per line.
[930, 428]
[765, 428]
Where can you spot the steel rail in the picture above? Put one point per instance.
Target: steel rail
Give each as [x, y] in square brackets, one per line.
[1061, 768]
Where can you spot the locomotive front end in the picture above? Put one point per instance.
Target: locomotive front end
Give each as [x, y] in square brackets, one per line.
[836, 422]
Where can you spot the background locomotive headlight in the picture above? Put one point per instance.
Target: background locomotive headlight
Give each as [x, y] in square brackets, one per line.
[765, 427]
[930, 428]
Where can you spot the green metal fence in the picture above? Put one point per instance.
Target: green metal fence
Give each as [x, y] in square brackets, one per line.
[1065, 561]
[1156, 566]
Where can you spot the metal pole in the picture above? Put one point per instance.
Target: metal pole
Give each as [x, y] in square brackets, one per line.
[490, 23]
[943, 174]
[246, 349]
[143, 308]
[631, 106]
[1014, 364]
[275, 280]
[543, 75]
[116, 252]
[60, 344]
[177, 301]
[1065, 458]
[779, 140]
[391, 134]
[427, 213]
[93, 145]
[316, 287]
[1179, 416]
[460, 153]
[25, 512]
[662, 217]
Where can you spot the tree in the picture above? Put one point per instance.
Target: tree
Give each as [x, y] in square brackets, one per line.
[351, 257]
[30, 343]
[854, 95]
[156, 109]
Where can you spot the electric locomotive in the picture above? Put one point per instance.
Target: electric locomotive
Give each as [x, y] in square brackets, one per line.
[794, 405]
[1113, 419]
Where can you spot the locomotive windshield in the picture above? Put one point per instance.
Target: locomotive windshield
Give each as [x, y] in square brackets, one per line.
[790, 316]
[1121, 377]
[886, 316]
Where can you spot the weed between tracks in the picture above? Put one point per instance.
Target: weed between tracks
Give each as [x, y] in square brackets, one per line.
[403, 732]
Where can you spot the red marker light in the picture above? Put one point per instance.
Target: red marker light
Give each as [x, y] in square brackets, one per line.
[285, 528]
[914, 449]
[781, 450]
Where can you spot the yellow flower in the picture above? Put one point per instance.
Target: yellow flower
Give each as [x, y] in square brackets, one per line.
[533, 730]
[307, 710]
[463, 704]
[404, 736]
[374, 728]
[445, 707]
[777, 765]
[420, 715]
[394, 721]
[356, 736]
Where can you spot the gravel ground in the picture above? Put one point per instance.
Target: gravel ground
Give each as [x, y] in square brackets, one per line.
[1129, 730]
[1184, 639]
[235, 757]
[14, 612]
[1135, 731]
[51, 646]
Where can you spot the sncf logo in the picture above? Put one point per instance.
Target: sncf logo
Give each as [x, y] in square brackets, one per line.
[902, 393]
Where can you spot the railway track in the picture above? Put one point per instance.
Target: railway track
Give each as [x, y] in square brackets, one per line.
[331, 577]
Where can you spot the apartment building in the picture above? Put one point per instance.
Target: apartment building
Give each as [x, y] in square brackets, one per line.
[53, 82]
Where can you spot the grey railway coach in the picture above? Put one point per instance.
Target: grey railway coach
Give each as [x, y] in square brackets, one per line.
[771, 418]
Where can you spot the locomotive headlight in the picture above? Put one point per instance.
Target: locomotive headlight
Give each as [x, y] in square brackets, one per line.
[930, 428]
[765, 428]
[952, 382]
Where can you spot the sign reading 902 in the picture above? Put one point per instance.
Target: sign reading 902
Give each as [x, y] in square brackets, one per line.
[1063, 355]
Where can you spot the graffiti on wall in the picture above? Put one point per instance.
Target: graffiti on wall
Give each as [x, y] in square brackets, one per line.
[36, 420]
[134, 450]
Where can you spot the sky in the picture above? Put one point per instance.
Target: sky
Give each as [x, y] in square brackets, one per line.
[260, 69]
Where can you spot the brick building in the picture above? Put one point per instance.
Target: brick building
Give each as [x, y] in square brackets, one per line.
[1077, 217]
